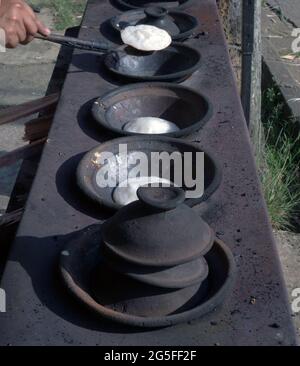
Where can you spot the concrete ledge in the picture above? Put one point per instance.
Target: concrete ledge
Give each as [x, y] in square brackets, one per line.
[277, 41]
[289, 250]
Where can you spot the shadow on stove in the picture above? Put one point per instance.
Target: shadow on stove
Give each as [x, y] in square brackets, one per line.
[40, 261]
[89, 127]
[70, 192]
[96, 65]
[117, 6]
[107, 30]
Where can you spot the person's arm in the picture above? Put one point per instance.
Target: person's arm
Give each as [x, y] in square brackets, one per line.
[19, 22]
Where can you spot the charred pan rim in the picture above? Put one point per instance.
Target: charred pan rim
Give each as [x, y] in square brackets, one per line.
[191, 202]
[99, 111]
[184, 5]
[194, 22]
[152, 322]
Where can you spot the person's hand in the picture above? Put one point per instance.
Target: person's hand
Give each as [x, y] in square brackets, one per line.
[19, 22]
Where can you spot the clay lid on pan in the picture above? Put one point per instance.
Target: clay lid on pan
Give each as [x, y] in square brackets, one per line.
[170, 4]
[174, 277]
[81, 258]
[178, 24]
[158, 230]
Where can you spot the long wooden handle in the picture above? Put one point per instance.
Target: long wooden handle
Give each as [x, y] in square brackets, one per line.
[23, 152]
[76, 43]
[11, 114]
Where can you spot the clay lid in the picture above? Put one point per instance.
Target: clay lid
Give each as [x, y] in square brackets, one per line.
[158, 230]
[158, 17]
[174, 277]
[170, 4]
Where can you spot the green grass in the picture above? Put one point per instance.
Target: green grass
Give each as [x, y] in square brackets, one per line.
[279, 163]
[281, 184]
[66, 12]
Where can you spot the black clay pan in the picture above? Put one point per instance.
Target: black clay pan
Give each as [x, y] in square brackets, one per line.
[186, 108]
[178, 24]
[90, 172]
[80, 261]
[175, 63]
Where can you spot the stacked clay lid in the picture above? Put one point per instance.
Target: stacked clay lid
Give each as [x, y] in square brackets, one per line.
[127, 296]
[153, 252]
[159, 18]
[180, 276]
[156, 263]
[133, 4]
[158, 230]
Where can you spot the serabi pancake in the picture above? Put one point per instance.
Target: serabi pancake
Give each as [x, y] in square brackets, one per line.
[146, 37]
[150, 125]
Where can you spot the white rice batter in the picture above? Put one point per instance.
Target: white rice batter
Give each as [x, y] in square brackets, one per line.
[150, 125]
[146, 37]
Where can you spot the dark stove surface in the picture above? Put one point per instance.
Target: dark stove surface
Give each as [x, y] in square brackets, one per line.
[41, 312]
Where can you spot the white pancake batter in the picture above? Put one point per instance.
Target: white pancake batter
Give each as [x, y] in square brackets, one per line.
[146, 37]
[150, 125]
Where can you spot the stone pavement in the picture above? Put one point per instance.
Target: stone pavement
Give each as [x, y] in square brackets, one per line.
[25, 71]
[24, 75]
[279, 19]
[289, 250]
[289, 8]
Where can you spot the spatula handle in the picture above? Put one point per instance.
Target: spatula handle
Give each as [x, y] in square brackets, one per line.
[76, 43]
